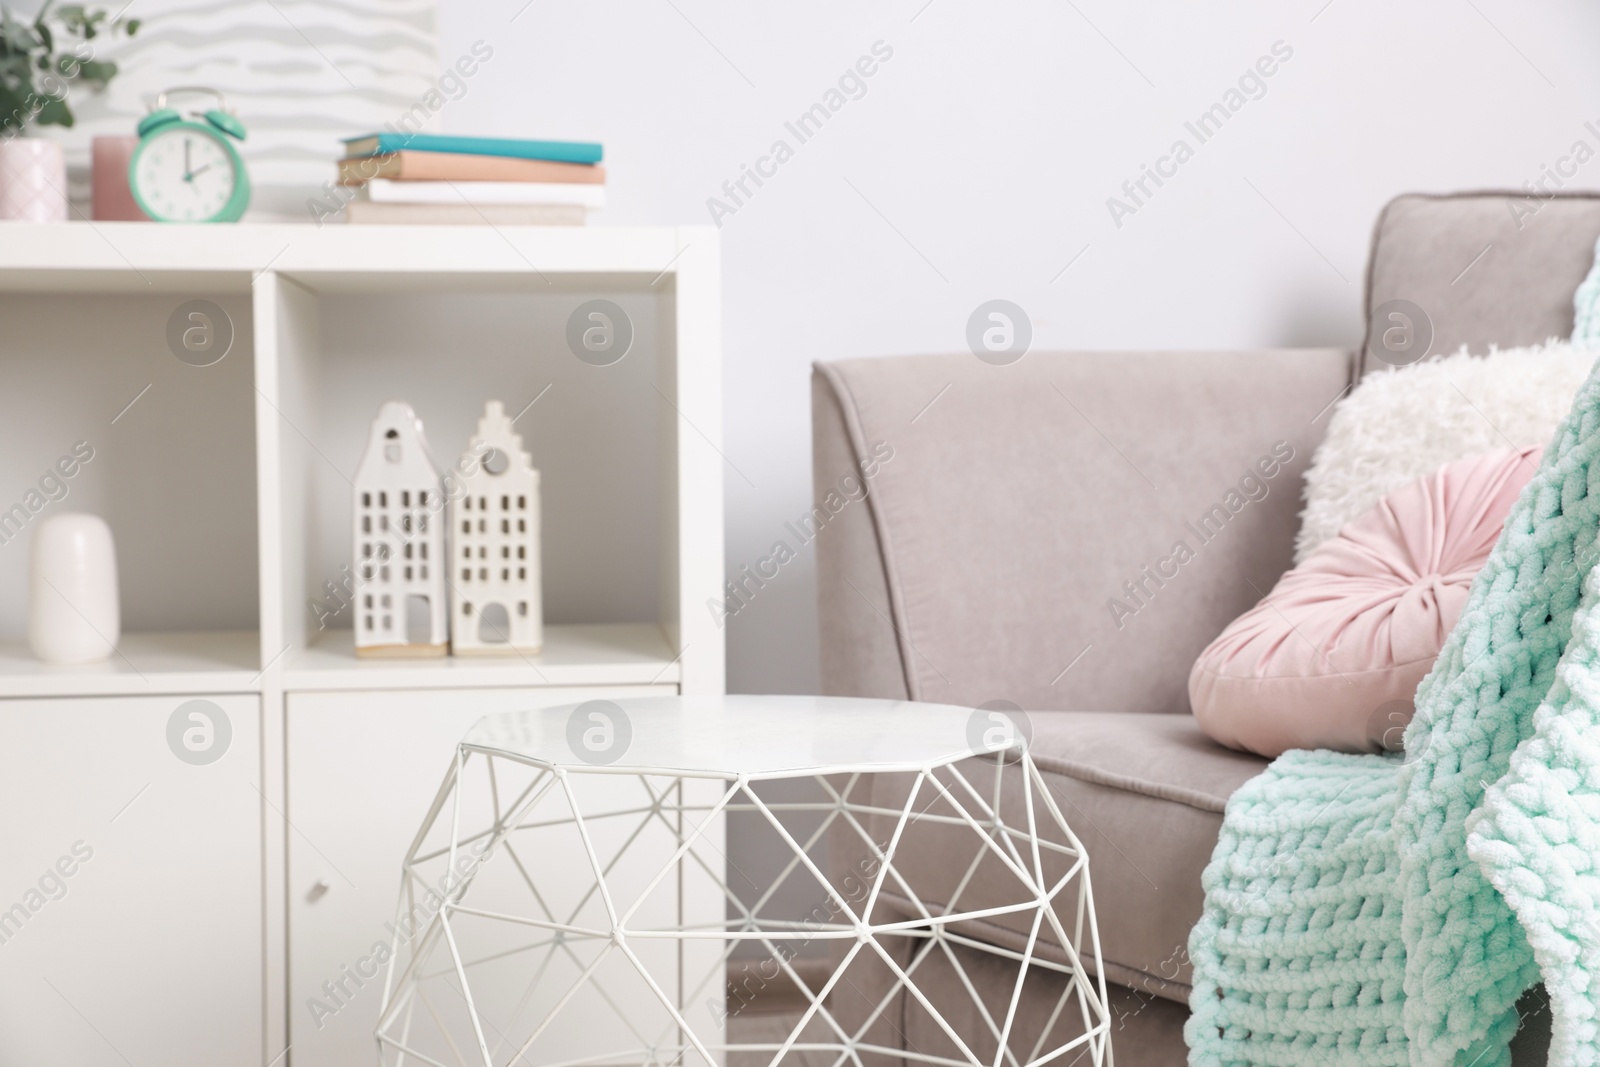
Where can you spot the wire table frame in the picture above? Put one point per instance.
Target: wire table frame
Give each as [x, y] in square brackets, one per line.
[567, 900]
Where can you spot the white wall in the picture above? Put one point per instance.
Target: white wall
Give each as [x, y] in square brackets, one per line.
[978, 165]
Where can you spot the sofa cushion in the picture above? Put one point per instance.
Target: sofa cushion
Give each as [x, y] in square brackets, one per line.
[1395, 428]
[1332, 657]
[1486, 268]
[1143, 793]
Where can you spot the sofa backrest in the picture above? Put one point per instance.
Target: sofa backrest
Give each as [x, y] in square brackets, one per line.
[1492, 268]
[1002, 552]
[1020, 535]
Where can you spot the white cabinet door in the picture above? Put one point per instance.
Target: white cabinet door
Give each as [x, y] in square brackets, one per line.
[130, 882]
[364, 769]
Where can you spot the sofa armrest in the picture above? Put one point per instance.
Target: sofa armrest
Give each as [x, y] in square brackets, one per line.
[859, 650]
[1019, 535]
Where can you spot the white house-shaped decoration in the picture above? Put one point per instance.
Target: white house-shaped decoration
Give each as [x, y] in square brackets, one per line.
[399, 541]
[495, 583]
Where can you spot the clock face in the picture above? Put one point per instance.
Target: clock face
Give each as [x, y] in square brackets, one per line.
[184, 175]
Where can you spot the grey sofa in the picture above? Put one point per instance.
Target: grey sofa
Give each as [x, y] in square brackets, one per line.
[1022, 501]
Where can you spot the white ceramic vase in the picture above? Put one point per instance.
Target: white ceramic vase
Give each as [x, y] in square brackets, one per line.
[74, 615]
[33, 180]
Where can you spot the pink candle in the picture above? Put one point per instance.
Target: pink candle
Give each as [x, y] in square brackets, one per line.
[112, 199]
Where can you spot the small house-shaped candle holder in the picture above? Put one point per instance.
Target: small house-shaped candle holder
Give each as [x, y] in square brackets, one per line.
[495, 583]
[398, 540]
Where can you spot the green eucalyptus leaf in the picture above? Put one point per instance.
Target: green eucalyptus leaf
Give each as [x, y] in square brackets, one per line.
[97, 72]
[16, 72]
[54, 113]
[14, 111]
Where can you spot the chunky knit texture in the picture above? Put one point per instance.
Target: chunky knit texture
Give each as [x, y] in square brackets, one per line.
[1586, 307]
[1368, 911]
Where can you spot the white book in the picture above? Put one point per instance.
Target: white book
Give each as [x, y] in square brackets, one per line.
[392, 191]
[368, 211]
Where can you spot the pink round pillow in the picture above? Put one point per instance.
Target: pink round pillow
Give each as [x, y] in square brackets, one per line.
[1332, 657]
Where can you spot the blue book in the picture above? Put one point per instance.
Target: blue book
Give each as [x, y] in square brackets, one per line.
[374, 144]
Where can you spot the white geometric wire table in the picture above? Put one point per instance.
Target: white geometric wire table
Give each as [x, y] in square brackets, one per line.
[566, 901]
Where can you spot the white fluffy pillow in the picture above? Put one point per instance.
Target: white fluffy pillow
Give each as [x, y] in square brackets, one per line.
[1400, 424]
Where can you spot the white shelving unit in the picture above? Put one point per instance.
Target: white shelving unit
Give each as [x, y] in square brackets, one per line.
[227, 487]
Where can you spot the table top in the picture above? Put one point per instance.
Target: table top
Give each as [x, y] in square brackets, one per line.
[756, 736]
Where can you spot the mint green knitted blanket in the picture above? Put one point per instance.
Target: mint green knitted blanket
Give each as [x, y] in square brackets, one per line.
[1374, 911]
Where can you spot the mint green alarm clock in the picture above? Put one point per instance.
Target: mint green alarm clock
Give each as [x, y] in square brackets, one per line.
[186, 171]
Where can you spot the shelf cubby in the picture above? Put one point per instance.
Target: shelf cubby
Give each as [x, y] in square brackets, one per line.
[163, 450]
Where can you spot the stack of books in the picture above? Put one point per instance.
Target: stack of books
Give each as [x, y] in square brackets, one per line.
[431, 178]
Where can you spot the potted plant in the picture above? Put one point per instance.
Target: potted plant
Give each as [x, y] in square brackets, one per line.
[41, 62]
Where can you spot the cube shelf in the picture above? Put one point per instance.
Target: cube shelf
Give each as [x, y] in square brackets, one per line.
[226, 482]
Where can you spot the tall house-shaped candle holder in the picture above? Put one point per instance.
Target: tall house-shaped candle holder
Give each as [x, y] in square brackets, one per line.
[398, 541]
[494, 524]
